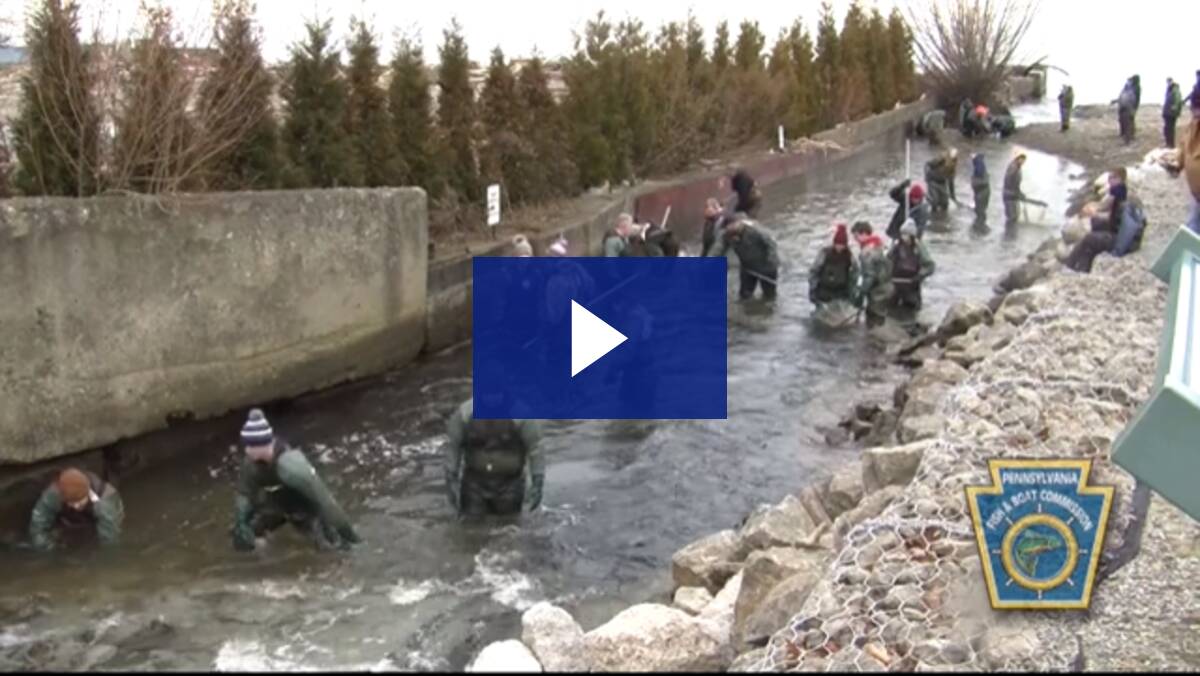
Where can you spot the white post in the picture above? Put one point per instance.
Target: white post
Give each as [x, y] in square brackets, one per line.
[493, 205]
[782, 146]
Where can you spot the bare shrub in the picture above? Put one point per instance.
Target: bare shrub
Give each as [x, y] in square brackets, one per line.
[965, 47]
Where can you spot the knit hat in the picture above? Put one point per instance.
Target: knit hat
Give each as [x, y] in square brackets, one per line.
[73, 485]
[909, 228]
[522, 247]
[840, 238]
[257, 431]
[559, 247]
[917, 192]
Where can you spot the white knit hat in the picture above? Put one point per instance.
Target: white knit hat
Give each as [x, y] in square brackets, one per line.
[559, 247]
[521, 246]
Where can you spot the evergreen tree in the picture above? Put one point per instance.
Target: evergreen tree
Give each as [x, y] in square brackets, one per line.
[677, 109]
[456, 115]
[506, 157]
[748, 50]
[636, 96]
[828, 65]
[721, 56]
[56, 136]
[320, 155]
[235, 101]
[409, 107]
[367, 122]
[697, 56]
[904, 75]
[555, 173]
[780, 63]
[879, 64]
[854, 98]
[154, 131]
[751, 84]
[804, 114]
[585, 74]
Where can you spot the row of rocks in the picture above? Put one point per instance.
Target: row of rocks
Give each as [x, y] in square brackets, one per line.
[1053, 368]
[732, 589]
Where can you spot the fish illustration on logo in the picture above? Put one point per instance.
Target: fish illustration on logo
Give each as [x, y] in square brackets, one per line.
[1040, 529]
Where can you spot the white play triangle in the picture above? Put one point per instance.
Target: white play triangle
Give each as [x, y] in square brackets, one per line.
[591, 338]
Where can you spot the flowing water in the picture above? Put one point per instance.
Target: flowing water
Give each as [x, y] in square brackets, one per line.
[426, 591]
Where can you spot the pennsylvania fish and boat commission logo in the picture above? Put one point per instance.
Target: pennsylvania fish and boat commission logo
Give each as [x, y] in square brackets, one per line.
[1040, 529]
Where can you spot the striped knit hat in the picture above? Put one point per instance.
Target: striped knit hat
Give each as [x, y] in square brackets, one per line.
[257, 431]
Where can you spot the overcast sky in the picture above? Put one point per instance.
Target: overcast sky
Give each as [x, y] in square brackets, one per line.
[1092, 41]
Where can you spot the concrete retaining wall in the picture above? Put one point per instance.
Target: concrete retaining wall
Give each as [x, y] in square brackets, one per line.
[120, 313]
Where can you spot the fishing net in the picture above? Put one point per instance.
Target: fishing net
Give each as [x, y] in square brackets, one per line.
[906, 591]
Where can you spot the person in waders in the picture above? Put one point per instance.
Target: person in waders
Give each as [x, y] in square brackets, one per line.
[982, 188]
[834, 273]
[875, 289]
[493, 467]
[1012, 191]
[616, 240]
[76, 501]
[911, 266]
[757, 254]
[277, 485]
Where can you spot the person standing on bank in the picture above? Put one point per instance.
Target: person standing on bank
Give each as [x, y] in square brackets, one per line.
[1172, 109]
[76, 500]
[1189, 159]
[756, 252]
[493, 467]
[1066, 104]
[277, 485]
[1012, 191]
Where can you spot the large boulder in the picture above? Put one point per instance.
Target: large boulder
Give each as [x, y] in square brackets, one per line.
[961, 317]
[919, 428]
[555, 638]
[763, 572]
[780, 604]
[719, 613]
[787, 524]
[653, 637]
[923, 393]
[979, 343]
[708, 562]
[891, 466]
[844, 490]
[1028, 273]
[871, 506]
[748, 662]
[692, 600]
[507, 657]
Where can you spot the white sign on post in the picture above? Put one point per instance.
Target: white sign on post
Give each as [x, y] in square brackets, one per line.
[493, 204]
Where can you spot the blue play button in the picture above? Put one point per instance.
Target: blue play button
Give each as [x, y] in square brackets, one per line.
[600, 338]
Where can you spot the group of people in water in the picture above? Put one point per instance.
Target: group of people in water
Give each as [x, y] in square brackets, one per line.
[496, 467]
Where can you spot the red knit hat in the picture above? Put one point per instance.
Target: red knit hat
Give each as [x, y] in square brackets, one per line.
[917, 192]
[840, 236]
